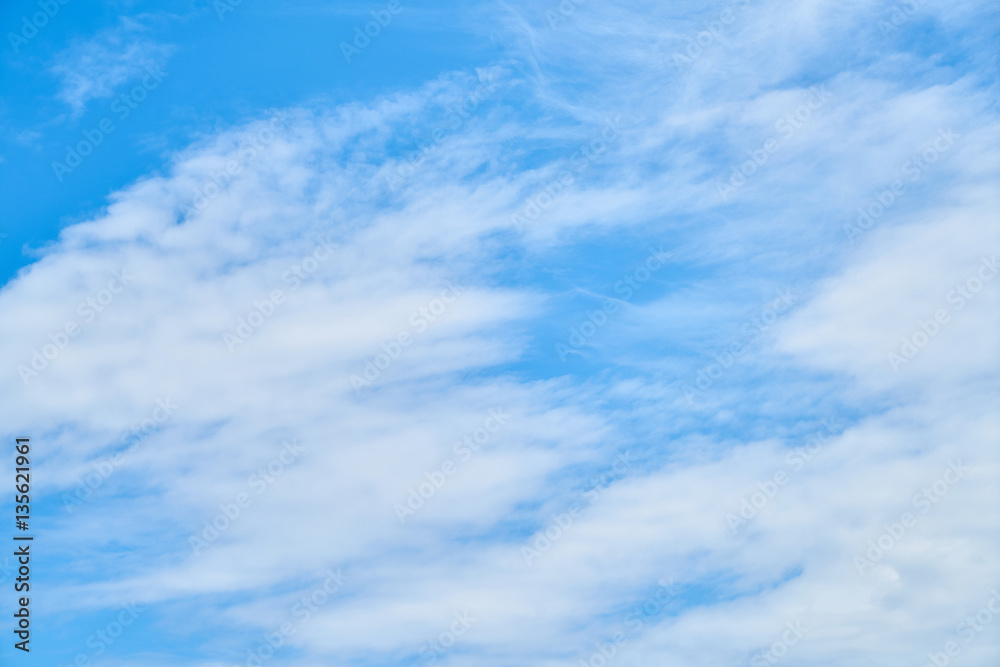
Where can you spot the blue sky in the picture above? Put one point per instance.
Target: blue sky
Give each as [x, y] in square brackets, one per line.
[516, 333]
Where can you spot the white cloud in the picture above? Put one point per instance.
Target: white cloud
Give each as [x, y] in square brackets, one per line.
[95, 68]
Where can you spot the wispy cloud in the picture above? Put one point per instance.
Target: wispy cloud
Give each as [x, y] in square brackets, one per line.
[94, 68]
